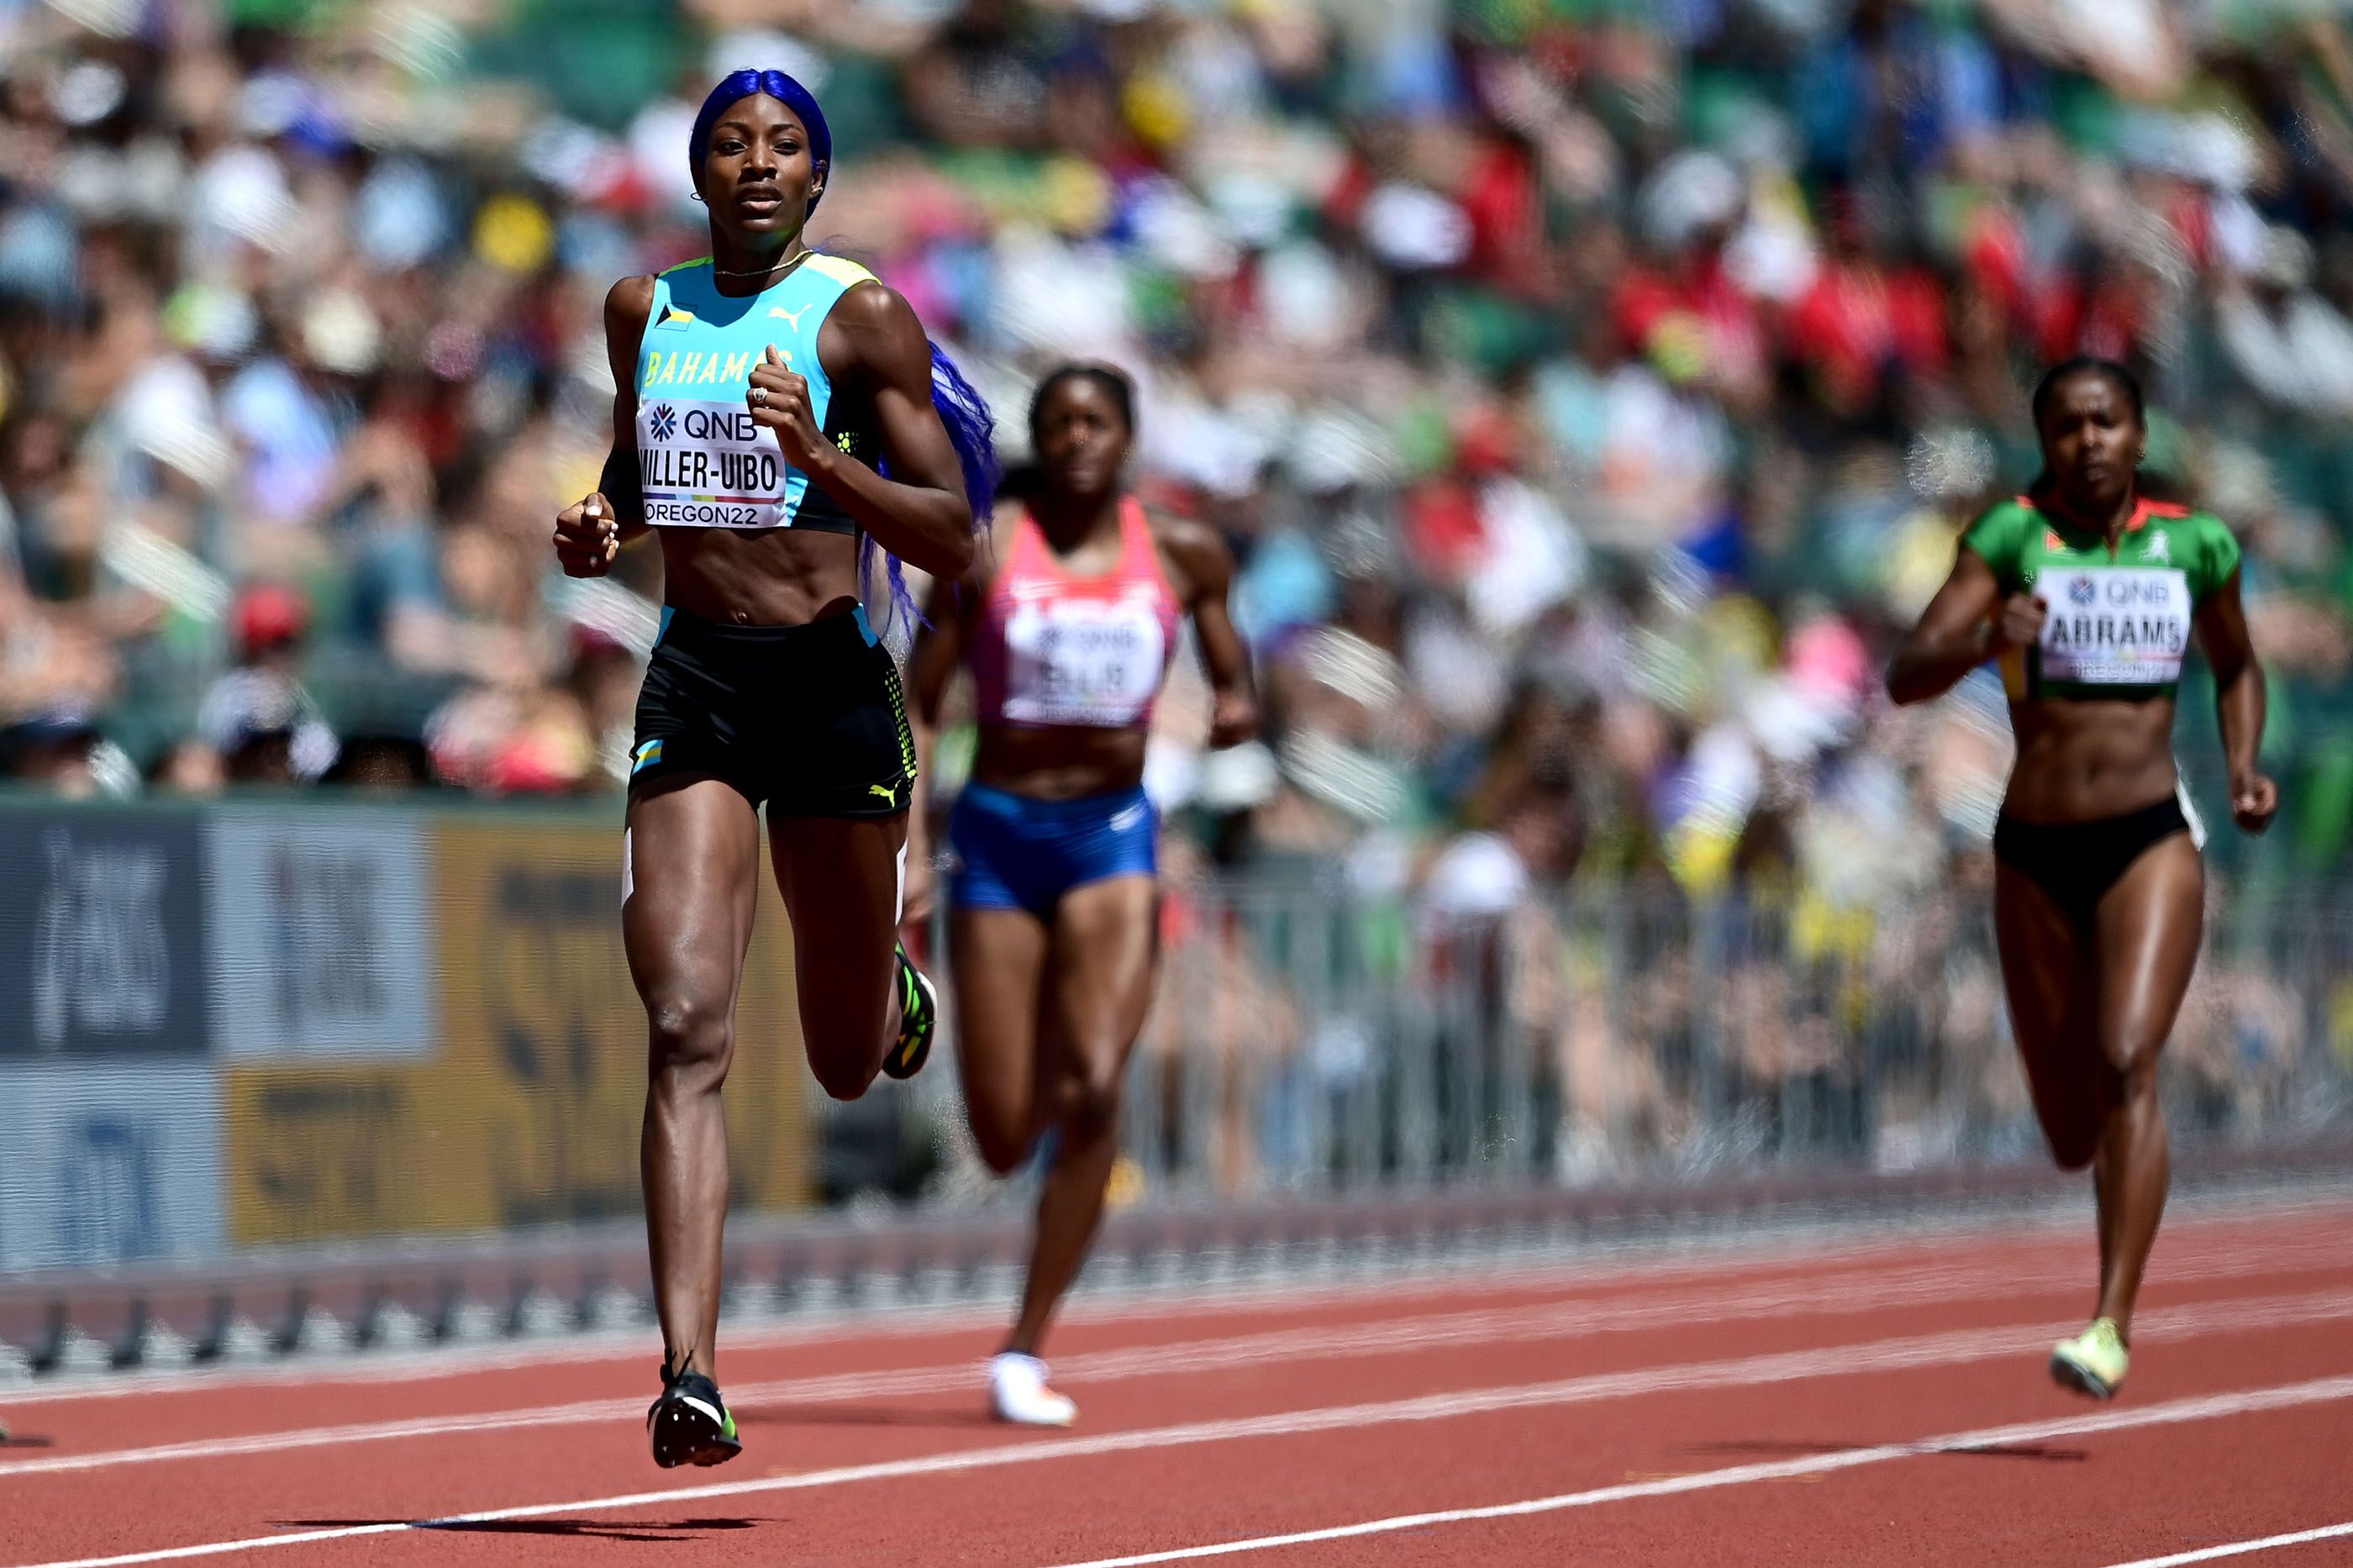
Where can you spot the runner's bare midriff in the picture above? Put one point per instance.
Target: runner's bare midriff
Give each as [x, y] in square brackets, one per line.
[775, 577]
[2081, 761]
[1058, 761]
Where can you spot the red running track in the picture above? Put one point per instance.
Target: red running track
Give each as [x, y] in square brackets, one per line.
[1824, 1404]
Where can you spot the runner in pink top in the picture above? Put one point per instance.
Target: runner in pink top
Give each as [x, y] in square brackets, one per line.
[1053, 926]
[1055, 649]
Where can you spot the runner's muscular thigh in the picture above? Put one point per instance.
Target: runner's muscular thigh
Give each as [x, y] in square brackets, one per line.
[690, 880]
[2148, 929]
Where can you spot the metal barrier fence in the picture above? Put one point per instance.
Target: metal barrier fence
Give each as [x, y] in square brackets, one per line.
[229, 1031]
[1303, 1043]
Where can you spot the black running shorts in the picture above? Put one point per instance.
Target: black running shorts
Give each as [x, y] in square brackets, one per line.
[2077, 862]
[809, 719]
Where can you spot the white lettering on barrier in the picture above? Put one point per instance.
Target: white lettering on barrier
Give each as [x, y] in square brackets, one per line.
[322, 929]
[99, 959]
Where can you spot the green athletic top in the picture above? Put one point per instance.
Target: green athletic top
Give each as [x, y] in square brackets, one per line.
[2119, 622]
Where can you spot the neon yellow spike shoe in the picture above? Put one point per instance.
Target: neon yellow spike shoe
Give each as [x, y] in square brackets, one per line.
[2094, 1361]
[919, 1017]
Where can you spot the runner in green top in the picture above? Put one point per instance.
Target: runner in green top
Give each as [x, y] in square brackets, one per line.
[2120, 614]
[2087, 593]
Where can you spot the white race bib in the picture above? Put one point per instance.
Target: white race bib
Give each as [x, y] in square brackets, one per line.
[2114, 626]
[1082, 661]
[709, 465]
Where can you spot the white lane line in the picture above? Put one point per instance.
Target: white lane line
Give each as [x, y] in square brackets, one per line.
[2243, 1403]
[2242, 1548]
[1815, 1296]
[2197, 1242]
[1366, 1338]
[1576, 1276]
[1579, 1274]
[1745, 1371]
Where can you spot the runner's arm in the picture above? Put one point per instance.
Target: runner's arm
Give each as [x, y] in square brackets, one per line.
[1208, 571]
[939, 649]
[590, 533]
[2241, 703]
[920, 514]
[627, 306]
[1955, 634]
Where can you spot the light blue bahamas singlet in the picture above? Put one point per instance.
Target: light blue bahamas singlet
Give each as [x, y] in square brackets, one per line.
[703, 463]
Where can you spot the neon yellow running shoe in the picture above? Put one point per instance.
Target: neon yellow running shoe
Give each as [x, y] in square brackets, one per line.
[2094, 1361]
[919, 1015]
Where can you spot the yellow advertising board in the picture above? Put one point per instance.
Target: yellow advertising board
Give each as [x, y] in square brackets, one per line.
[528, 1110]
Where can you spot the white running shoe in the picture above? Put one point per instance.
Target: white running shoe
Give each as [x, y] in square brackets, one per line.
[1017, 1393]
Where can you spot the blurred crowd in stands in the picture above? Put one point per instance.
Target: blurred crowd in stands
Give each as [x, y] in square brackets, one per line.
[1589, 388]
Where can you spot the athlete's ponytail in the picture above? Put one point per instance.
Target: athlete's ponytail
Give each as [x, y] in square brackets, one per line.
[972, 430]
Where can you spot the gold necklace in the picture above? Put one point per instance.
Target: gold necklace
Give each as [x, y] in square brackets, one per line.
[787, 265]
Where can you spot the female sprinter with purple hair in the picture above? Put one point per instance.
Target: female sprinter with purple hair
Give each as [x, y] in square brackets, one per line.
[777, 413]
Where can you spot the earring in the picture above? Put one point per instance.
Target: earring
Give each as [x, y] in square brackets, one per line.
[696, 194]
